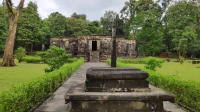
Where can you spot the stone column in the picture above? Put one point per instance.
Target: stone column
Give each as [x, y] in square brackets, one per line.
[113, 54]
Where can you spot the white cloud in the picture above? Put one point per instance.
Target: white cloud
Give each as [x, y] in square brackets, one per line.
[94, 9]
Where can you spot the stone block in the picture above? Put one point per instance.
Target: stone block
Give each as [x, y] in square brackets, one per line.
[82, 101]
[116, 85]
[118, 73]
[116, 106]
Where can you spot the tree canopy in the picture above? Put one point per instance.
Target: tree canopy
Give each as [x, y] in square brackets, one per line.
[156, 25]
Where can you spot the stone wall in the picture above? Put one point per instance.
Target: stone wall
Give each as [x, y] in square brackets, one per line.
[95, 47]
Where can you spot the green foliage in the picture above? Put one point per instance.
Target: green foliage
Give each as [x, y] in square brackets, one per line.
[78, 16]
[71, 60]
[3, 27]
[55, 57]
[181, 22]
[189, 90]
[77, 27]
[94, 27]
[44, 32]
[58, 24]
[131, 61]
[20, 53]
[23, 97]
[181, 60]
[152, 63]
[28, 26]
[107, 22]
[32, 59]
[138, 60]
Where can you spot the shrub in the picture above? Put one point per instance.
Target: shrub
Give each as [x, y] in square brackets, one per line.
[132, 61]
[71, 60]
[20, 53]
[22, 98]
[152, 63]
[138, 60]
[181, 60]
[32, 59]
[55, 57]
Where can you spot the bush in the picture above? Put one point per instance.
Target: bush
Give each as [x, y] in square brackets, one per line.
[55, 57]
[20, 53]
[132, 61]
[22, 98]
[152, 63]
[32, 59]
[71, 60]
[138, 60]
[181, 60]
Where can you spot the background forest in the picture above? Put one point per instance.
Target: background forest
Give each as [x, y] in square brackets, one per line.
[157, 25]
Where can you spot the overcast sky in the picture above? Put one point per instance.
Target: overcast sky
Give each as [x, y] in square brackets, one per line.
[94, 9]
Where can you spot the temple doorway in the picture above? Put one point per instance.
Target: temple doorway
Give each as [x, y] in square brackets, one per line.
[94, 45]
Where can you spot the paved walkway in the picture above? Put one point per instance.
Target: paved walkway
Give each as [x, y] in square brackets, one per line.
[56, 103]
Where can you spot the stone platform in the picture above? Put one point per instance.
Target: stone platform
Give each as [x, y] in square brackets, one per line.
[56, 103]
[116, 101]
[120, 79]
[121, 89]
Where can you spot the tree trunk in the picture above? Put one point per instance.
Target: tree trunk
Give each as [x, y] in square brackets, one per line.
[43, 47]
[31, 48]
[10, 41]
[179, 54]
[144, 53]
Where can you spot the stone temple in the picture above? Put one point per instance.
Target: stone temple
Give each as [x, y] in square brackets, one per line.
[95, 48]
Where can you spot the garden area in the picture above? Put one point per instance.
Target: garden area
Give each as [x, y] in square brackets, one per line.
[181, 79]
[34, 78]
[22, 73]
[186, 70]
[156, 26]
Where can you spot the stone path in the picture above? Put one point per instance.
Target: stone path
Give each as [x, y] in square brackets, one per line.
[56, 103]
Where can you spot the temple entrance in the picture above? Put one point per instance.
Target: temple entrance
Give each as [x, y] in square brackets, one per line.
[94, 45]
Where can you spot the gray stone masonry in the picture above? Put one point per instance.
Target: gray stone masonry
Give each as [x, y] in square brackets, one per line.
[56, 103]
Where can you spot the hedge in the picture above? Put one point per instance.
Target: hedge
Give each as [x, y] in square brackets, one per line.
[187, 92]
[23, 97]
[137, 61]
[32, 59]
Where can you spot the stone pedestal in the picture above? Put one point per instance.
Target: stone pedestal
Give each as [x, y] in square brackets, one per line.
[116, 90]
[124, 79]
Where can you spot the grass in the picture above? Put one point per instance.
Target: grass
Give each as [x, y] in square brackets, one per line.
[186, 71]
[23, 72]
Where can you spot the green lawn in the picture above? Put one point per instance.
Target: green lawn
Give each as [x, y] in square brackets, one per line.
[19, 74]
[186, 71]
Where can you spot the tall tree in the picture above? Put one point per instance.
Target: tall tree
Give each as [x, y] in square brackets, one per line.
[107, 22]
[10, 41]
[58, 24]
[182, 23]
[3, 27]
[128, 12]
[142, 21]
[78, 16]
[28, 27]
[44, 33]
[94, 27]
[148, 18]
[76, 27]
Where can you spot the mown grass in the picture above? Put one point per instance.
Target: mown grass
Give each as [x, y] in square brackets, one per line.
[23, 72]
[186, 71]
